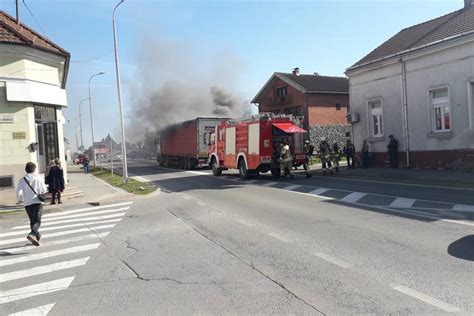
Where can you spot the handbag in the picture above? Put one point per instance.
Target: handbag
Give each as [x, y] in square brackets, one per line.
[41, 197]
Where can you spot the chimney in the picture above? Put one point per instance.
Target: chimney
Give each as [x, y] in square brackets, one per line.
[296, 71]
[468, 3]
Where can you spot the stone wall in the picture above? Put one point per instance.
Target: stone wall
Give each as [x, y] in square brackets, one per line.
[333, 134]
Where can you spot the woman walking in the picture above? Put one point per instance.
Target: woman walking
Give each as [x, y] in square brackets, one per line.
[30, 191]
[56, 181]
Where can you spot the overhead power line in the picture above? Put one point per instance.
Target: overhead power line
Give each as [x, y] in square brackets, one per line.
[34, 18]
[93, 58]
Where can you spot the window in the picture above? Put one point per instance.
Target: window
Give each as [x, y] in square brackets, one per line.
[441, 110]
[295, 110]
[376, 118]
[338, 106]
[282, 92]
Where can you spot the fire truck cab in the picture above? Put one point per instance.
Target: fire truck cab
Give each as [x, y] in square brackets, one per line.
[252, 144]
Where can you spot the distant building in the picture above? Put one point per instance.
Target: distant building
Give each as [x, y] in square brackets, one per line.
[33, 74]
[419, 86]
[322, 100]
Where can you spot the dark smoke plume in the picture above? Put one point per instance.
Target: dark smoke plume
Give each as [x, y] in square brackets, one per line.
[177, 84]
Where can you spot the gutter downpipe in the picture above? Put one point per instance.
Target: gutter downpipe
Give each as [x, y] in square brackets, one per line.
[405, 111]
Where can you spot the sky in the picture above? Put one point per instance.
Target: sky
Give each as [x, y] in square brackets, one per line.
[236, 44]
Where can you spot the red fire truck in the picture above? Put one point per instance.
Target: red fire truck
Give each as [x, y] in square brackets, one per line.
[250, 144]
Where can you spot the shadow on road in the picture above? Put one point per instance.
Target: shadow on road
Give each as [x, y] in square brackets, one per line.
[463, 248]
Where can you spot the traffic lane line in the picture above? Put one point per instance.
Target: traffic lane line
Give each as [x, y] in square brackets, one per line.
[279, 237]
[402, 203]
[333, 260]
[427, 299]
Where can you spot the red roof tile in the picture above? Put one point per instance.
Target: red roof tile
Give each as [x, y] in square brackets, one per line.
[13, 33]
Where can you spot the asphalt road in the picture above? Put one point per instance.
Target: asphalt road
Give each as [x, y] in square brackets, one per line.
[227, 246]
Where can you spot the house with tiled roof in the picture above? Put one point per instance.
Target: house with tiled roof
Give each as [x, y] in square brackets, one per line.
[419, 87]
[322, 101]
[33, 75]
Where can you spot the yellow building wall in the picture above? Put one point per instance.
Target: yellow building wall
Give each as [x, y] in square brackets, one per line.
[12, 67]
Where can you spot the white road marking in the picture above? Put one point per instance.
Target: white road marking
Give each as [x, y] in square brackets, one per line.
[402, 203]
[279, 237]
[4, 277]
[292, 187]
[37, 311]
[201, 203]
[85, 219]
[70, 232]
[318, 191]
[463, 208]
[199, 172]
[398, 183]
[140, 179]
[81, 210]
[242, 221]
[56, 242]
[34, 290]
[427, 299]
[353, 197]
[92, 213]
[333, 260]
[269, 184]
[49, 254]
[16, 233]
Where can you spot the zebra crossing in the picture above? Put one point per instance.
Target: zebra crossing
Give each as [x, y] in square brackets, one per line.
[28, 271]
[420, 207]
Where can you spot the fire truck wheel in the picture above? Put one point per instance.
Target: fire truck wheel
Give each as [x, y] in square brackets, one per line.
[215, 170]
[243, 169]
[276, 172]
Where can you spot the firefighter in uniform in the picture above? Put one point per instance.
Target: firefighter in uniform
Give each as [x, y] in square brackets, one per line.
[335, 156]
[308, 152]
[325, 156]
[286, 159]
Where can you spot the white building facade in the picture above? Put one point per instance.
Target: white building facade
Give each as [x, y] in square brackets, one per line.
[422, 94]
[33, 73]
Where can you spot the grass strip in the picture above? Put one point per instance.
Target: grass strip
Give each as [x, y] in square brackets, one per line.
[133, 186]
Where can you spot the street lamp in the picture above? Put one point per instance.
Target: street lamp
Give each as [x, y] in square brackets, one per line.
[119, 94]
[80, 124]
[90, 109]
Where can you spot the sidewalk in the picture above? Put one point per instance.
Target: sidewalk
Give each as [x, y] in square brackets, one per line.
[94, 191]
[445, 178]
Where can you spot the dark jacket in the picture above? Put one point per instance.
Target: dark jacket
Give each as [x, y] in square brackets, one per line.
[349, 150]
[393, 145]
[55, 179]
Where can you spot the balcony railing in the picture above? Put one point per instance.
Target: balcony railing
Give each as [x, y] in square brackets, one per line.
[280, 100]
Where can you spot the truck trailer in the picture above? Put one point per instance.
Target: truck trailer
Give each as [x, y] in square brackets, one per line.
[251, 145]
[186, 145]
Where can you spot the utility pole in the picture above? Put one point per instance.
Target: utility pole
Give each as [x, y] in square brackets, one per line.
[119, 93]
[112, 156]
[17, 13]
[90, 109]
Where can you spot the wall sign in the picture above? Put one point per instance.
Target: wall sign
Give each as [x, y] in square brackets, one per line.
[6, 117]
[18, 135]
